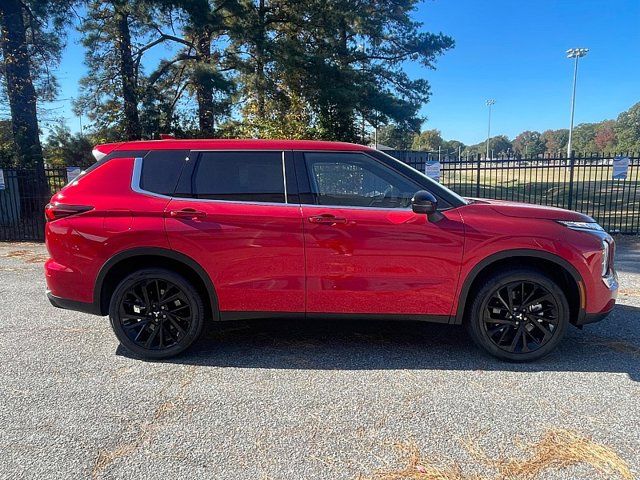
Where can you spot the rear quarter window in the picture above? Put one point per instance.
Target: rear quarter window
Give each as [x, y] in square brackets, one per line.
[252, 176]
[161, 170]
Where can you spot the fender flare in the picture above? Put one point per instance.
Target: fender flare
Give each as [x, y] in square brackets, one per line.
[155, 251]
[520, 252]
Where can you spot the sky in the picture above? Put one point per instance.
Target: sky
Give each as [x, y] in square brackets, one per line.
[512, 51]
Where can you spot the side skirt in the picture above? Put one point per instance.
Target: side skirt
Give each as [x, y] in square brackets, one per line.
[232, 315]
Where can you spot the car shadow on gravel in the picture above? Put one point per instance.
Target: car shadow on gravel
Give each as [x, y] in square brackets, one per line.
[612, 345]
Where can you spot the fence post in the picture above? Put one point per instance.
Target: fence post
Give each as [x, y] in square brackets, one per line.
[571, 168]
[478, 177]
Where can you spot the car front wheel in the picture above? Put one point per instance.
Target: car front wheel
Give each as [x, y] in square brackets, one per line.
[156, 313]
[518, 315]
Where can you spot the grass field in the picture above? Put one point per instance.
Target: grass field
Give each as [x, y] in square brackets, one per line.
[613, 203]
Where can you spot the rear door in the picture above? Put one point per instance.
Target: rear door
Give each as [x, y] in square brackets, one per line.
[238, 217]
[366, 251]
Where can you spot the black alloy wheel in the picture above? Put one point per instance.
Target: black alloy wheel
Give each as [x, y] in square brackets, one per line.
[156, 313]
[518, 315]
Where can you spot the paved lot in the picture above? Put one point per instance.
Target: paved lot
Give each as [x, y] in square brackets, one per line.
[286, 400]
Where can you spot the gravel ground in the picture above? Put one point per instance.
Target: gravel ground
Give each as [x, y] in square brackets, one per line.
[292, 400]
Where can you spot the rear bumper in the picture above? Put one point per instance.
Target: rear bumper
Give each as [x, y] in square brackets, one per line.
[67, 304]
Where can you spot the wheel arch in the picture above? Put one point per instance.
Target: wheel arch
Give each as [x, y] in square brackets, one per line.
[134, 259]
[569, 278]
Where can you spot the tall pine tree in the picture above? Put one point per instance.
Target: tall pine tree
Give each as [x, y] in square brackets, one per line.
[114, 33]
[31, 39]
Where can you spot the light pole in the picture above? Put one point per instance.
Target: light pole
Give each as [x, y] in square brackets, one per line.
[489, 104]
[574, 53]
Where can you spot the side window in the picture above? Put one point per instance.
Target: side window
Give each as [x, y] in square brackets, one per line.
[355, 179]
[161, 169]
[252, 176]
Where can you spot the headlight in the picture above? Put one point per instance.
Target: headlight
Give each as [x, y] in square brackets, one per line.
[605, 258]
[589, 226]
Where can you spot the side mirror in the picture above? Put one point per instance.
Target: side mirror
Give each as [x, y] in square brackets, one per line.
[425, 203]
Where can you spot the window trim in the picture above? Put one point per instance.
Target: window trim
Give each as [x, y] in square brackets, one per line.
[136, 177]
[293, 157]
[247, 202]
[284, 178]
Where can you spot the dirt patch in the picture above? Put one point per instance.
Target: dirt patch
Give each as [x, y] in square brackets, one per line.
[28, 256]
[555, 450]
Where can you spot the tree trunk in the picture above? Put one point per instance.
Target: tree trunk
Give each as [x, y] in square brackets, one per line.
[132, 127]
[22, 95]
[204, 85]
[260, 83]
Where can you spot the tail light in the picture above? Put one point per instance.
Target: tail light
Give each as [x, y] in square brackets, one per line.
[56, 211]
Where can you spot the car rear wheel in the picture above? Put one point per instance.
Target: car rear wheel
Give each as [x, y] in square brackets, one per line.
[518, 315]
[156, 313]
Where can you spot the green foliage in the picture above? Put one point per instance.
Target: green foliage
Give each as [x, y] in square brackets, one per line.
[396, 137]
[529, 143]
[428, 140]
[64, 148]
[555, 141]
[7, 146]
[584, 138]
[453, 145]
[500, 144]
[254, 68]
[44, 22]
[112, 35]
[627, 130]
[31, 44]
[339, 60]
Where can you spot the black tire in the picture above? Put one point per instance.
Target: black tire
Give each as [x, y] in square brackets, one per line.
[156, 313]
[514, 328]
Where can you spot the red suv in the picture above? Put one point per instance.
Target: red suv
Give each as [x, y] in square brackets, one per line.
[166, 235]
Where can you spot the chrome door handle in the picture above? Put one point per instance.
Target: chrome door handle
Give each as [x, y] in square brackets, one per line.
[327, 218]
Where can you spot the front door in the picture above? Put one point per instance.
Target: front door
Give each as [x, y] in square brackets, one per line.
[366, 251]
[232, 214]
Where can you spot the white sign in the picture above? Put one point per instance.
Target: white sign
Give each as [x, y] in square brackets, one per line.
[73, 173]
[620, 168]
[432, 169]
[2, 186]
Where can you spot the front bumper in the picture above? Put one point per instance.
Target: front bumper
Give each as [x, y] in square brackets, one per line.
[594, 317]
[611, 284]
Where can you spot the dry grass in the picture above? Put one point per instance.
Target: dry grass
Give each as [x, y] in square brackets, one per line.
[418, 468]
[555, 450]
[627, 292]
[560, 449]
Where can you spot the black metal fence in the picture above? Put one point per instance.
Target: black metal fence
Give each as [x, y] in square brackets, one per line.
[584, 183]
[22, 201]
